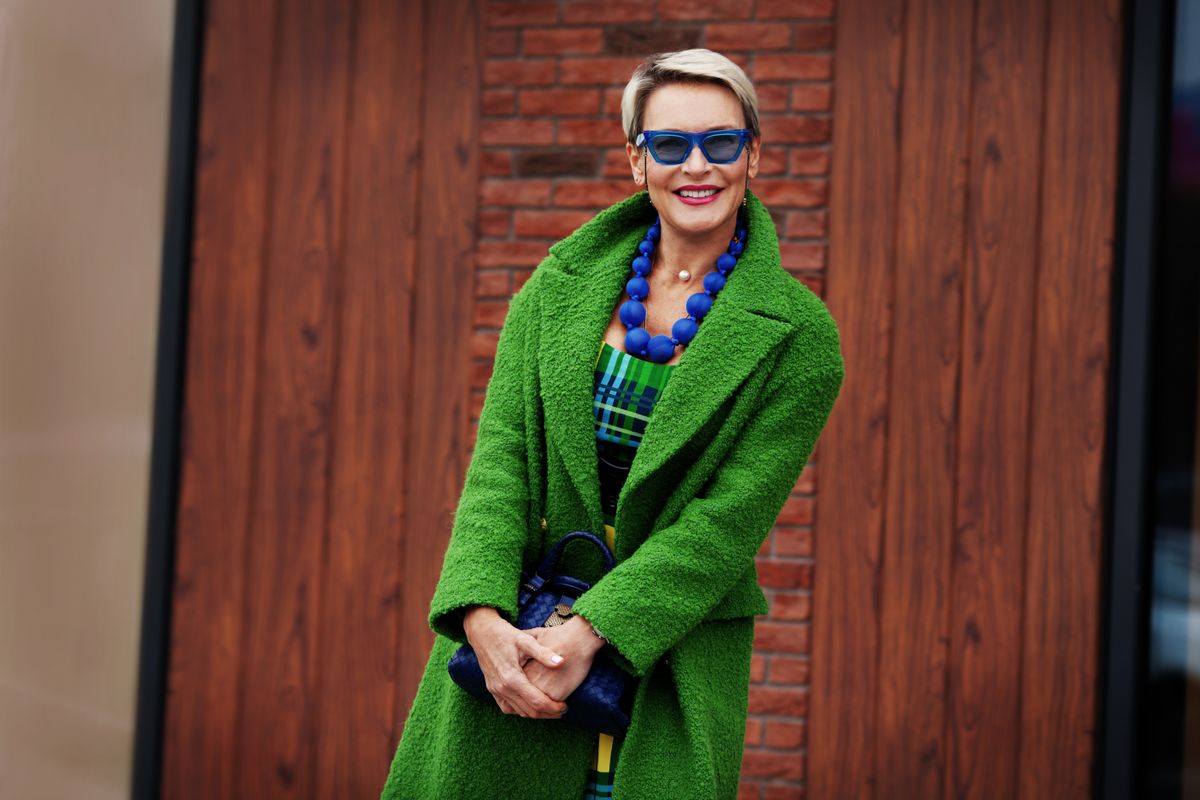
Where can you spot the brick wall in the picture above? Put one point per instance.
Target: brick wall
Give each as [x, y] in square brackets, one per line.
[553, 155]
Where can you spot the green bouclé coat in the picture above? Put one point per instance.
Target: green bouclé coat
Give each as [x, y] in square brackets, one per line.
[723, 449]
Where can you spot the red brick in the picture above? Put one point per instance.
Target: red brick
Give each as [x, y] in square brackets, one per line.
[807, 482]
[794, 606]
[793, 542]
[501, 43]
[780, 702]
[779, 791]
[764, 549]
[789, 670]
[560, 102]
[519, 278]
[489, 313]
[812, 97]
[772, 97]
[807, 224]
[773, 161]
[795, 193]
[493, 223]
[514, 193]
[548, 224]
[605, 71]
[778, 67]
[749, 791]
[795, 129]
[590, 131]
[520, 73]
[612, 101]
[483, 344]
[616, 164]
[516, 131]
[786, 735]
[763, 764]
[519, 14]
[703, 9]
[640, 40]
[618, 11]
[748, 36]
[817, 285]
[592, 194]
[813, 36]
[783, 9]
[585, 41]
[509, 254]
[754, 731]
[781, 637]
[498, 102]
[796, 511]
[493, 164]
[481, 371]
[476, 408]
[802, 255]
[758, 668]
[493, 283]
[775, 574]
[809, 161]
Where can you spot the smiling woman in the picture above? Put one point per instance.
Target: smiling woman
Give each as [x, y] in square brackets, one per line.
[707, 398]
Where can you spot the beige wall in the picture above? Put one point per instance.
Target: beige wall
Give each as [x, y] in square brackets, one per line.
[83, 127]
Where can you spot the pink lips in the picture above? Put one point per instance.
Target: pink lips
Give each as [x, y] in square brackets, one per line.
[698, 201]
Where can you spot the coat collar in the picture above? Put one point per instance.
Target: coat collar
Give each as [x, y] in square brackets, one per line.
[582, 286]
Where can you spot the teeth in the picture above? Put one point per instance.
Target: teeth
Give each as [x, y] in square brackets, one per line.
[697, 192]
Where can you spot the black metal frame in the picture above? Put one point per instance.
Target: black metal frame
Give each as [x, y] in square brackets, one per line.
[168, 399]
[1144, 104]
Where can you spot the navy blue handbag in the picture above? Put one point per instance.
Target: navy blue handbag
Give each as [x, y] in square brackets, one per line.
[602, 702]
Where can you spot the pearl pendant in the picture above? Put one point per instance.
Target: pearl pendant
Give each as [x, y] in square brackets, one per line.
[684, 275]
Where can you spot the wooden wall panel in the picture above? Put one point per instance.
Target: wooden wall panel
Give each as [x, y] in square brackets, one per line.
[329, 325]
[956, 597]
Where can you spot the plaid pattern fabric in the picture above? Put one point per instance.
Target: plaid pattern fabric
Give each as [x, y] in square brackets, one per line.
[626, 390]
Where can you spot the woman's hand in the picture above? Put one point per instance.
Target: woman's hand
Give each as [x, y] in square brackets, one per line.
[578, 645]
[503, 650]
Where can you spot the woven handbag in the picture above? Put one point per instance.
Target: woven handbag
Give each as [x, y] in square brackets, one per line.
[602, 702]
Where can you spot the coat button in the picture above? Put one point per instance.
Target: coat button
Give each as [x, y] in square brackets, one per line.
[544, 526]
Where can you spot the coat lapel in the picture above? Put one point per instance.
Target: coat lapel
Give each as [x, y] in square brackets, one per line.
[746, 322]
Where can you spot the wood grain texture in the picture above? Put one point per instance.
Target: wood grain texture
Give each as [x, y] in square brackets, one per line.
[1068, 412]
[224, 324]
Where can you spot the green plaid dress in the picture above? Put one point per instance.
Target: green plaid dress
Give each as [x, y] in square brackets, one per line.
[626, 391]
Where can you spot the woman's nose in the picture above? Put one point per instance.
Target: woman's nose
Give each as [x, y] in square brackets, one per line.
[696, 163]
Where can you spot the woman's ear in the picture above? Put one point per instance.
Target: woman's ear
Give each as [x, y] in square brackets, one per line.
[635, 164]
[755, 150]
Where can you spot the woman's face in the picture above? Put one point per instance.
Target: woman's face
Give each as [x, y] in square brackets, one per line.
[694, 107]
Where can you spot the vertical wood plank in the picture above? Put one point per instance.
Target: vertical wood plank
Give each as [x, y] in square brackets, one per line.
[1070, 372]
[199, 752]
[923, 400]
[361, 614]
[998, 313]
[441, 311]
[286, 538]
[850, 469]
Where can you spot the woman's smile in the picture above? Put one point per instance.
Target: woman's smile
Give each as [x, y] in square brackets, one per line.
[697, 195]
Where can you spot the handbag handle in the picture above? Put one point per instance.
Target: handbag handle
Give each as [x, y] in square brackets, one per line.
[550, 562]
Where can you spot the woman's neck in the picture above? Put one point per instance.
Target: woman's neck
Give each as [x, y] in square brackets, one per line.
[697, 253]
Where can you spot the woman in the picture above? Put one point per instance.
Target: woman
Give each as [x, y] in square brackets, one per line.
[721, 397]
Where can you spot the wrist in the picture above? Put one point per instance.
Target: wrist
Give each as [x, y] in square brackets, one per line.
[478, 616]
[588, 633]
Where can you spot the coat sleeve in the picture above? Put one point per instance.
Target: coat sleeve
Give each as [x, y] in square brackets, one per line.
[483, 560]
[650, 600]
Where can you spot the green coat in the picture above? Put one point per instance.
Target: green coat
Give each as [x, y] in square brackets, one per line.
[724, 448]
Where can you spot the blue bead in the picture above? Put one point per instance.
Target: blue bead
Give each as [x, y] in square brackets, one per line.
[646, 247]
[654, 232]
[714, 282]
[641, 265]
[637, 287]
[661, 349]
[636, 340]
[726, 262]
[736, 248]
[683, 330]
[632, 313]
[741, 234]
[699, 304]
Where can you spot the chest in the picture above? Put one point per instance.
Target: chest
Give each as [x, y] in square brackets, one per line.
[663, 308]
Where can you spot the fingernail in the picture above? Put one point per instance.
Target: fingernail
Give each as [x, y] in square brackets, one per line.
[556, 659]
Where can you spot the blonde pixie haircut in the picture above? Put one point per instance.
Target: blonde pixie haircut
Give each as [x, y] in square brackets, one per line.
[685, 66]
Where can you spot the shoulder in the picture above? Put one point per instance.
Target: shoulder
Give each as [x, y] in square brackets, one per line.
[813, 348]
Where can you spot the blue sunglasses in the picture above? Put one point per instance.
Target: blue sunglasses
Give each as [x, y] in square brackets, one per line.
[674, 147]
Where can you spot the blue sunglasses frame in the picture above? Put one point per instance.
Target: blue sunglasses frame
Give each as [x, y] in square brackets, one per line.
[693, 139]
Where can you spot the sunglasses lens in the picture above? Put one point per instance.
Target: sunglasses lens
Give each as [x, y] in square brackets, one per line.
[723, 146]
[671, 149]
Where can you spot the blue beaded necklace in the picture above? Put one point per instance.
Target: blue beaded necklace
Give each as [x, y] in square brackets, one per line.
[660, 348]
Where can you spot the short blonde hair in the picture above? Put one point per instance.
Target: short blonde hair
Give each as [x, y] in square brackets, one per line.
[685, 66]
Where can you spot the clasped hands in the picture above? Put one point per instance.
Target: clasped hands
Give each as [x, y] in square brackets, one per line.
[520, 666]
